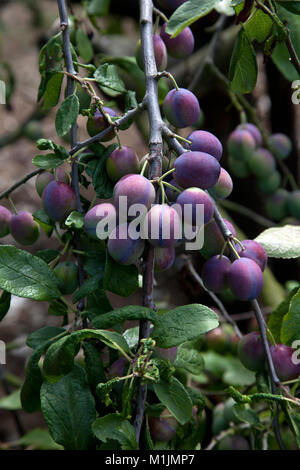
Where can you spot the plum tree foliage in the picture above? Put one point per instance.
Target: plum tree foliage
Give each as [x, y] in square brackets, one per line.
[136, 376]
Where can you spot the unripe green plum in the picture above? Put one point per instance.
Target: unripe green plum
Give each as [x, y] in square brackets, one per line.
[181, 108]
[97, 214]
[182, 45]
[254, 131]
[122, 247]
[203, 141]
[245, 279]
[238, 168]
[215, 273]
[163, 258]
[137, 189]
[284, 362]
[233, 443]
[24, 228]
[160, 53]
[59, 200]
[163, 429]
[270, 183]
[216, 340]
[196, 169]
[162, 226]
[293, 204]
[98, 123]
[219, 423]
[262, 163]
[33, 130]
[213, 239]
[276, 205]
[254, 251]
[280, 145]
[121, 162]
[241, 145]
[195, 197]
[67, 275]
[223, 187]
[5, 216]
[43, 179]
[251, 352]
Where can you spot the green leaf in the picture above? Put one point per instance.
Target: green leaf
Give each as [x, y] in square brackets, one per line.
[69, 410]
[43, 335]
[47, 255]
[98, 7]
[30, 392]
[75, 220]
[59, 359]
[182, 324]
[11, 402]
[237, 374]
[117, 428]
[276, 317]
[47, 162]
[281, 242]
[4, 304]
[281, 55]
[84, 46]
[130, 312]
[291, 5]
[175, 398]
[188, 13]
[290, 330]
[88, 287]
[25, 275]
[243, 65]
[258, 27]
[108, 80]
[43, 219]
[52, 91]
[39, 439]
[93, 364]
[120, 279]
[246, 415]
[132, 337]
[96, 169]
[67, 115]
[189, 359]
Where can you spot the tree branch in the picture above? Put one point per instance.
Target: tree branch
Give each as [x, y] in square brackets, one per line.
[20, 183]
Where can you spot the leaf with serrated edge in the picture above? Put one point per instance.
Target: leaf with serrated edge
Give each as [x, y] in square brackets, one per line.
[281, 242]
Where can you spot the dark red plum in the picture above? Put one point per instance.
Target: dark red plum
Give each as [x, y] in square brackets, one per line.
[283, 361]
[117, 369]
[97, 214]
[293, 204]
[163, 258]
[168, 354]
[245, 279]
[122, 247]
[213, 239]
[281, 145]
[162, 226]
[181, 46]
[5, 216]
[163, 429]
[67, 275]
[262, 163]
[121, 162]
[137, 189]
[203, 141]
[196, 169]
[270, 183]
[172, 194]
[24, 228]
[98, 123]
[277, 205]
[254, 131]
[251, 352]
[170, 5]
[223, 187]
[241, 145]
[43, 179]
[215, 273]
[181, 108]
[59, 200]
[254, 251]
[160, 53]
[194, 197]
[234, 443]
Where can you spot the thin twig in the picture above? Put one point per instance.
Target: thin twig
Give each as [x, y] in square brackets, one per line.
[20, 183]
[236, 207]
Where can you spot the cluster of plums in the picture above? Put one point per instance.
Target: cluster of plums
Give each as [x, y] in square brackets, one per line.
[252, 356]
[247, 156]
